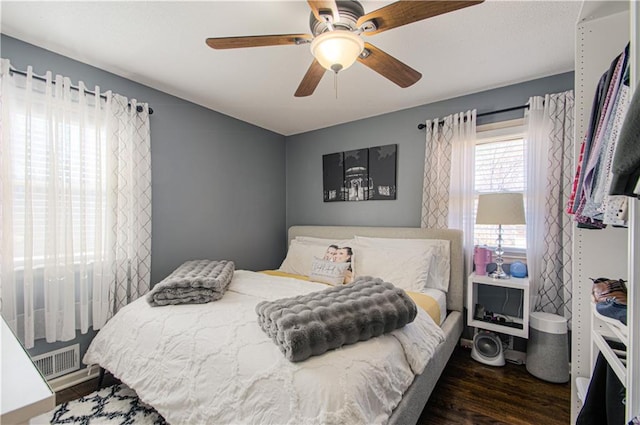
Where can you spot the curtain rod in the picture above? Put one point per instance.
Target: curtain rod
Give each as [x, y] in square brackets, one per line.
[422, 126]
[139, 108]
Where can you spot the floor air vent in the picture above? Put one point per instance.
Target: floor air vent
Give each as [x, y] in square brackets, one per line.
[59, 362]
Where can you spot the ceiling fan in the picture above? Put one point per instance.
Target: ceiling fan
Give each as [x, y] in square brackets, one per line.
[336, 43]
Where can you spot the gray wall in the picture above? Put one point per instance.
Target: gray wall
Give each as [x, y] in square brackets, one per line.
[304, 155]
[218, 184]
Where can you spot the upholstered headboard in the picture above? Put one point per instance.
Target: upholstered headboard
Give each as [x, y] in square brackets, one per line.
[456, 285]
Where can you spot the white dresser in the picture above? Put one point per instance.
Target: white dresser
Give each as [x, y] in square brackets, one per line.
[24, 393]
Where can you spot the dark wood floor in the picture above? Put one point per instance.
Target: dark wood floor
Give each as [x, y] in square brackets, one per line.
[471, 393]
[468, 393]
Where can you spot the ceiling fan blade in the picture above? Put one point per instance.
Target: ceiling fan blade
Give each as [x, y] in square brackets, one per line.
[310, 80]
[405, 12]
[389, 67]
[256, 41]
[322, 7]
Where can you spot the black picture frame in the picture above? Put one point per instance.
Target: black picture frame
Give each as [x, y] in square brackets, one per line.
[333, 177]
[382, 172]
[356, 175]
[360, 174]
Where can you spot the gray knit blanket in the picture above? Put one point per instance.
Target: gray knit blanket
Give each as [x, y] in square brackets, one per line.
[309, 325]
[194, 282]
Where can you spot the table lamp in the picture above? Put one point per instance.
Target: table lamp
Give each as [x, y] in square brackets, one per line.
[500, 208]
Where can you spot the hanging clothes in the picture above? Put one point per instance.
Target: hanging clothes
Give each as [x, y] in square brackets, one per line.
[626, 163]
[599, 103]
[591, 202]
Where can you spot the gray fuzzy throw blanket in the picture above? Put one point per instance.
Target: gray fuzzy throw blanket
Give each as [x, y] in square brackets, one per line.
[309, 325]
[194, 282]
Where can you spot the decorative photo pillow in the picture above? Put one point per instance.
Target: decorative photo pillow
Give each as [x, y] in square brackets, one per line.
[329, 272]
[302, 253]
[337, 254]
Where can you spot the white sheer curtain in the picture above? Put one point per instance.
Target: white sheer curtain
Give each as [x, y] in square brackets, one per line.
[549, 133]
[448, 187]
[76, 205]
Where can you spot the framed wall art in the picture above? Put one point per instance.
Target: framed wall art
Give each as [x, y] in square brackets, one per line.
[333, 177]
[360, 174]
[356, 174]
[382, 172]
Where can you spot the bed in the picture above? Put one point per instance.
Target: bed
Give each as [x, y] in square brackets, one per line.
[185, 362]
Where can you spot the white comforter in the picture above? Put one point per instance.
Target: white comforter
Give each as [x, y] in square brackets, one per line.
[211, 363]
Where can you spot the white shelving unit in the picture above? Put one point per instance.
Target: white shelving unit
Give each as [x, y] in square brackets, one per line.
[522, 323]
[602, 31]
[633, 306]
[604, 328]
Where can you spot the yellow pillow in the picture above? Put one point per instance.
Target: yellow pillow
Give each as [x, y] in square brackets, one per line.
[427, 303]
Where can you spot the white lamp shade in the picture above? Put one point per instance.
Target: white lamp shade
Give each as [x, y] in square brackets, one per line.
[337, 50]
[500, 208]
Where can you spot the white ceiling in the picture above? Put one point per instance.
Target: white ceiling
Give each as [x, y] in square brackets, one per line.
[162, 45]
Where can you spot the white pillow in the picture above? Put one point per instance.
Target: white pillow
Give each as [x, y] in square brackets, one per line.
[406, 269]
[323, 241]
[329, 272]
[437, 249]
[302, 252]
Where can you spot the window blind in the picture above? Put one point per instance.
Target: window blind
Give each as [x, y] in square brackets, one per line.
[80, 174]
[499, 167]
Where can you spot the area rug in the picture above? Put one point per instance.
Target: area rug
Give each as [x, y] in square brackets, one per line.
[117, 404]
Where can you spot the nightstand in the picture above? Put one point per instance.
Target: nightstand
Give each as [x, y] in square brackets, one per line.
[513, 298]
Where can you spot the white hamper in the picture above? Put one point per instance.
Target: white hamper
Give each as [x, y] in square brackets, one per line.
[548, 347]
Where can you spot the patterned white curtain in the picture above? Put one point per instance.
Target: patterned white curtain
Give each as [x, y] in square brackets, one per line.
[549, 124]
[75, 205]
[448, 187]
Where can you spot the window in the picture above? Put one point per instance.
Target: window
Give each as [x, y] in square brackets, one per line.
[500, 167]
[80, 173]
[77, 192]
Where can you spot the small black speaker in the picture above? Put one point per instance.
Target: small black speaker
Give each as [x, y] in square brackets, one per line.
[487, 349]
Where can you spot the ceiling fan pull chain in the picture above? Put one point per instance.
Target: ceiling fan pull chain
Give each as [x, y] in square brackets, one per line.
[335, 83]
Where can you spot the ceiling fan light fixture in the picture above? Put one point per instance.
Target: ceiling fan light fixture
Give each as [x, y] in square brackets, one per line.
[337, 50]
